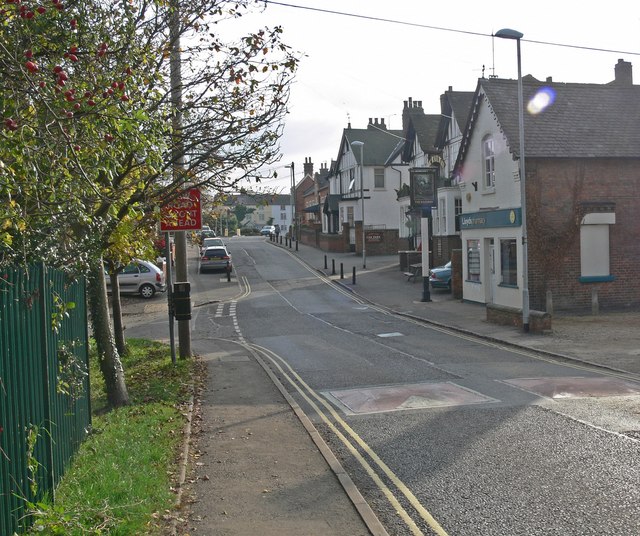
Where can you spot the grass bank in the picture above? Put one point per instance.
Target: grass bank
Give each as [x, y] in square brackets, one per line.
[122, 480]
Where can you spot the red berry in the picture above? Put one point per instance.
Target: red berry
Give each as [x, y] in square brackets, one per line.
[73, 57]
[69, 115]
[31, 67]
[76, 147]
[121, 85]
[28, 54]
[57, 69]
[91, 102]
[29, 15]
[108, 137]
[42, 84]
[109, 91]
[40, 9]
[76, 106]
[124, 98]
[62, 75]
[73, 49]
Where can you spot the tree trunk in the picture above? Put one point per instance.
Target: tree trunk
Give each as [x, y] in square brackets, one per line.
[116, 308]
[108, 356]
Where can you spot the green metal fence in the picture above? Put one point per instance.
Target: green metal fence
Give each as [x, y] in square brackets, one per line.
[44, 386]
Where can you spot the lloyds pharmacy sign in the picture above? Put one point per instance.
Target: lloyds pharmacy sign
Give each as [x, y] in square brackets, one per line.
[510, 217]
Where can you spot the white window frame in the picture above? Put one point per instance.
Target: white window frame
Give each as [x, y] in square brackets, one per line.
[488, 163]
[378, 178]
[594, 247]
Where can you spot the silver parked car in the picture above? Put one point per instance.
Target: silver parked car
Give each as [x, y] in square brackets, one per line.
[140, 277]
[215, 258]
[209, 242]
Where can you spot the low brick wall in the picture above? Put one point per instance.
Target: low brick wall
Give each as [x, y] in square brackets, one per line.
[332, 242]
[539, 321]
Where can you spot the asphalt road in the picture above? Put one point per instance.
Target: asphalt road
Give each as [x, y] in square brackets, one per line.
[442, 433]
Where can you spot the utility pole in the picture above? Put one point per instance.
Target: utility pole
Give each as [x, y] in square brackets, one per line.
[184, 331]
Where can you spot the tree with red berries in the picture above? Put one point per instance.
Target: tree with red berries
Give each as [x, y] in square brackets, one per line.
[88, 144]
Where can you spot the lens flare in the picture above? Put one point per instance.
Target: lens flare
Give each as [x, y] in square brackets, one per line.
[541, 100]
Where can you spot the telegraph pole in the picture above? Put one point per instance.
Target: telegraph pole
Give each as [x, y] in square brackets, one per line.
[184, 331]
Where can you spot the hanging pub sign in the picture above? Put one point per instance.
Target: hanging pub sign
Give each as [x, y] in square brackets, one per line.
[423, 186]
[184, 213]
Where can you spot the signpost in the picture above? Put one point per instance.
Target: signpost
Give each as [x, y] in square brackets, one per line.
[184, 213]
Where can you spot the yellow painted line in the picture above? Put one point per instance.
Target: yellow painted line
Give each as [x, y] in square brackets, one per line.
[367, 467]
[415, 503]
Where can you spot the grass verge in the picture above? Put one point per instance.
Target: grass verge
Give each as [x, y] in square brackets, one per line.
[121, 481]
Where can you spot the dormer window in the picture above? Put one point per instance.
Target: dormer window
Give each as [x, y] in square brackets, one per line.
[488, 157]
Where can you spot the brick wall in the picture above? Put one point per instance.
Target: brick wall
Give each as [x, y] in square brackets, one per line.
[443, 247]
[556, 192]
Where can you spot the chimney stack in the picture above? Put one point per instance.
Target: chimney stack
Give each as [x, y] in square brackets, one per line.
[624, 73]
[308, 166]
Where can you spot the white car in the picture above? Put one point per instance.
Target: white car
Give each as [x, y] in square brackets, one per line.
[268, 230]
[140, 277]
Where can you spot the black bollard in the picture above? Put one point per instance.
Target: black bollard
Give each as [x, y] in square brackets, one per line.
[333, 267]
[290, 243]
[325, 262]
[353, 275]
[296, 245]
[228, 271]
[341, 271]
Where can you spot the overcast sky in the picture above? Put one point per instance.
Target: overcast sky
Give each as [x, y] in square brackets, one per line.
[357, 67]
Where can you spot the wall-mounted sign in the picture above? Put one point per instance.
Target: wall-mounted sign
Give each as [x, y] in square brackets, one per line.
[184, 213]
[510, 217]
[373, 237]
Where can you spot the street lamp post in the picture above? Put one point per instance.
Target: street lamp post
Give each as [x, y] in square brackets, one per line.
[293, 201]
[364, 248]
[507, 33]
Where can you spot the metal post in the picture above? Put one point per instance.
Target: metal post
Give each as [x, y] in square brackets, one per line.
[353, 275]
[172, 339]
[341, 271]
[333, 267]
[426, 293]
[325, 262]
[507, 33]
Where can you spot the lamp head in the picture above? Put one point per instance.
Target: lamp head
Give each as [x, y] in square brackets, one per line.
[357, 143]
[508, 33]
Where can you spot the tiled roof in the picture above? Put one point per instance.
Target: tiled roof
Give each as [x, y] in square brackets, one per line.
[584, 120]
[378, 143]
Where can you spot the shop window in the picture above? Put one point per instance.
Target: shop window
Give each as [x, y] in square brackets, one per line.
[473, 260]
[509, 262]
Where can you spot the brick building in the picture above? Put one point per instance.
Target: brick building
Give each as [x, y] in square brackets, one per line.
[582, 193]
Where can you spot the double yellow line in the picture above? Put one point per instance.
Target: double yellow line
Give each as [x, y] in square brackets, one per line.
[351, 443]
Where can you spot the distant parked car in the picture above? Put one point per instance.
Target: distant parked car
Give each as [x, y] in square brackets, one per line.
[440, 277]
[214, 258]
[210, 242]
[140, 277]
[268, 230]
